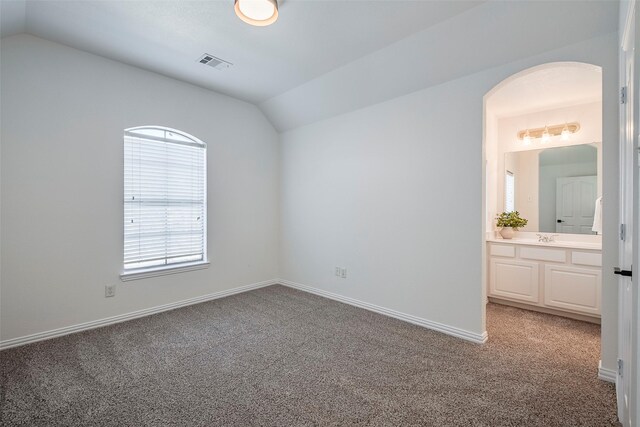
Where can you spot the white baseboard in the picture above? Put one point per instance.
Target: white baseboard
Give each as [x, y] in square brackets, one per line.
[606, 374]
[440, 327]
[40, 336]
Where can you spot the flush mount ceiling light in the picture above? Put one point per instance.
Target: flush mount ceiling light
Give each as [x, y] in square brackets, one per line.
[257, 12]
[565, 131]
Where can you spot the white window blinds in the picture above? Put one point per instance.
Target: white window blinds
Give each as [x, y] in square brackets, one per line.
[164, 198]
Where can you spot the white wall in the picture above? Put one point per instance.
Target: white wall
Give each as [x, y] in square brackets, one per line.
[526, 191]
[63, 116]
[589, 116]
[494, 179]
[394, 192]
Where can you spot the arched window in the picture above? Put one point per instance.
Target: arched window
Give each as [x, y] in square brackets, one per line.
[165, 200]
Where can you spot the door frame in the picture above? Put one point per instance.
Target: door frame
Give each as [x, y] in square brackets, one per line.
[628, 303]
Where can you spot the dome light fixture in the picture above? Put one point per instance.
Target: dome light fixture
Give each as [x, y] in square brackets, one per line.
[259, 13]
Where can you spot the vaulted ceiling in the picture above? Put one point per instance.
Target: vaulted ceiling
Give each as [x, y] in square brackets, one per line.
[310, 38]
[320, 58]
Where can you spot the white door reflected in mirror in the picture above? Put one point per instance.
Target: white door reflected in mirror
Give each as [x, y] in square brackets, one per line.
[575, 204]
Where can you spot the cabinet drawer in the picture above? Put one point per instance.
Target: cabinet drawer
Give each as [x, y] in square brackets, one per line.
[514, 280]
[503, 250]
[571, 288]
[586, 258]
[543, 254]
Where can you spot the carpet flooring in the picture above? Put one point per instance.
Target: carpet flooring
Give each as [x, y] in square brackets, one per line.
[280, 357]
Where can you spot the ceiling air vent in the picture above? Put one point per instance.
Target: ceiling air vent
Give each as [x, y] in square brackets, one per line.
[212, 61]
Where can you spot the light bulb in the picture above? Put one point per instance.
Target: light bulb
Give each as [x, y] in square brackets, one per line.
[526, 139]
[545, 135]
[566, 133]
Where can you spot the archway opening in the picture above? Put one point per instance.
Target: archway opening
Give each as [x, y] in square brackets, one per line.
[543, 160]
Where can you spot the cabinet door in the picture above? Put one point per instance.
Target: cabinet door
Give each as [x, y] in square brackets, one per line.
[517, 280]
[571, 288]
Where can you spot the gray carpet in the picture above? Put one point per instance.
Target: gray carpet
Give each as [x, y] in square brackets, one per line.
[278, 357]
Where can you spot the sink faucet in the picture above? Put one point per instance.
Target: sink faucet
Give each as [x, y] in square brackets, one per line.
[546, 238]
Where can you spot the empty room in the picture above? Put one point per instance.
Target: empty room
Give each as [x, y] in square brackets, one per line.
[319, 212]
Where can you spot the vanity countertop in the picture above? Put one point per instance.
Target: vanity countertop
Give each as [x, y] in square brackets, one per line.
[557, 244]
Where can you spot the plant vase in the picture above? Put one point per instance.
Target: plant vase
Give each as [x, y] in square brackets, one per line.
[507, 232]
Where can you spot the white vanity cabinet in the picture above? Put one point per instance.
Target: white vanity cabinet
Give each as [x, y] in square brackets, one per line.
[551, 278]
[573, 289]
[517, 280]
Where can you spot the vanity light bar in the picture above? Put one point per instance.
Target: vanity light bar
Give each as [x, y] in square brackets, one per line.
[555, 130]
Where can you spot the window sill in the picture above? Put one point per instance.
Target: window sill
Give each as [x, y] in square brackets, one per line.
[164, 271]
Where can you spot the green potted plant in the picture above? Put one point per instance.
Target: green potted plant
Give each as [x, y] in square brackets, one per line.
[510, 222]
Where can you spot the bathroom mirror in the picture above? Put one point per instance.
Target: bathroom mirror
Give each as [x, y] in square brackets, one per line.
[555, 189]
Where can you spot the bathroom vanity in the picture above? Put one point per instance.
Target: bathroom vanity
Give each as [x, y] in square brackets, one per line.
[554, 263]
[560, 277]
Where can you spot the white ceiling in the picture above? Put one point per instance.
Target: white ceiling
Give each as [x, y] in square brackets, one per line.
[490, 35]
[548, 87]
[12, 17]
[309, 39]
[321, 58]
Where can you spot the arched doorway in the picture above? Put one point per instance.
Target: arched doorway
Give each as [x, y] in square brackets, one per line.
[544, 159]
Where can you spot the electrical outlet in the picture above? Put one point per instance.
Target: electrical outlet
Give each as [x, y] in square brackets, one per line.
[343, 273]
[109, 291]
[338, 271]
